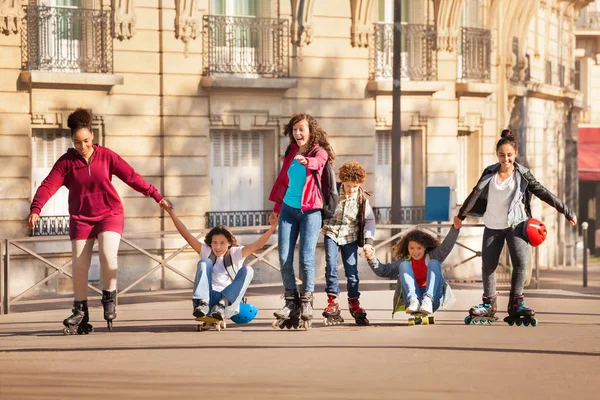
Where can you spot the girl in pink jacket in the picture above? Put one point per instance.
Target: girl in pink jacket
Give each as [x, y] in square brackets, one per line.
[298, 203]
[95, 211]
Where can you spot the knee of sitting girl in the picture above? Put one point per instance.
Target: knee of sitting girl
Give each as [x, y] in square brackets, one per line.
[204, 262]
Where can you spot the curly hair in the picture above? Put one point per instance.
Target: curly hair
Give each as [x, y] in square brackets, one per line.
[352, 172]
[221, 230]
[400, 249]
[317, 135]
[79, 119]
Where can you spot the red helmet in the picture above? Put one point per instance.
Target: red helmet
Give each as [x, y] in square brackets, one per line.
[535, 230]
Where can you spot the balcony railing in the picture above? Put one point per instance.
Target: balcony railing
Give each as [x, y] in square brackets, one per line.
[548, 77]
[237, 218]
[51, 226]
[65, 39]
[246, 46]
[561, 75]
[588, 20]
[476, 46]
[417, 57]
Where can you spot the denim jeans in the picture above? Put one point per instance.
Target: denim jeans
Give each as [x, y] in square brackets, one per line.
[307, 224]
[434, 288]
[234, 292]
[349, 259]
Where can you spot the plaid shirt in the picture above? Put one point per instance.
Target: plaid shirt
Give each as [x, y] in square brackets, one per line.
[343, 226]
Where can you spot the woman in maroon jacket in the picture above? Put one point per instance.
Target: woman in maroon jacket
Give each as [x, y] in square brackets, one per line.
[298, 203]
[95, 211]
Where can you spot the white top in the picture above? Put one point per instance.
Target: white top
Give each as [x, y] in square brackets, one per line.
[220, 277]
[499, 197]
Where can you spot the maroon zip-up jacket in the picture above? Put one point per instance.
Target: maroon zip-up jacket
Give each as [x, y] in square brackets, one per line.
[92, 196]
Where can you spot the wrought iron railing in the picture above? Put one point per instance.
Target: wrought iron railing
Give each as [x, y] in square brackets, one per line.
[67, 39]
[561, 75]
[515, 49]
[246, 46]
[237, 218]
[589, 20]
[51, 226]
[409, 215]
[548, 77]
[417, 52]
[476, 44]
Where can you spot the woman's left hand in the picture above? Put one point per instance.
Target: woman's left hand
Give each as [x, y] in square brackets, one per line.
[301, 159]
[165, 204]
[573, 221]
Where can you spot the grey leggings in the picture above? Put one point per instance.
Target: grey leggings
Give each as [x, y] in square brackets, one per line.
[518, 248]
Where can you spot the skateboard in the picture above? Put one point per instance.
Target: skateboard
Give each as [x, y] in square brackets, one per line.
[210, 323]
[418, 318]
[470, 319]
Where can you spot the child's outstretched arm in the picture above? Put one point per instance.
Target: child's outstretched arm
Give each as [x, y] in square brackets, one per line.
[441, 252]
[191, 239]
[380, 269]
[247, 250]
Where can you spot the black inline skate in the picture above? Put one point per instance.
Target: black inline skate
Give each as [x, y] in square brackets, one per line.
[78, 322]
[518, 313]
[289, 316]
[483, 313]
[109, 302]
[306, 304]
[332, 314]
[357, 312]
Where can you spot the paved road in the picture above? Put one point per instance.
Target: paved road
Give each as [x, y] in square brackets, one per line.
[156, 353]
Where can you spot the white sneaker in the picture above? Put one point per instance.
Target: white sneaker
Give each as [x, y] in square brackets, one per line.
[426, 306]
[413, 305]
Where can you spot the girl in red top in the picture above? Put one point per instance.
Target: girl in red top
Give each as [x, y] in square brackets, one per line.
[298, 203]
[95, 211]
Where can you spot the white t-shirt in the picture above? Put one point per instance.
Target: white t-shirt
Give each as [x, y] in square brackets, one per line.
[220, 277]
[500, 195]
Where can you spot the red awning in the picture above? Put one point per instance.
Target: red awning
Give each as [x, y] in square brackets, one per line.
[588, 158]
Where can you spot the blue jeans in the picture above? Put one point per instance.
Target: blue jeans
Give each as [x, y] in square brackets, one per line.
[234, 292]
[307, 224]
[434, 288]
[349, 259]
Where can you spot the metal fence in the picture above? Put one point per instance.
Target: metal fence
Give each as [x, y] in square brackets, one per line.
[476, 46]
[51, 226]
[67, 39]
[417, 52]
[246, 46]
[167, 249]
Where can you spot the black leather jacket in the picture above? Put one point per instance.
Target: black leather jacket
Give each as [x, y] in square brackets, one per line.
[520, 206]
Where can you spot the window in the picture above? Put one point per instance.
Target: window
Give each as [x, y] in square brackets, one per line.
[236, 171]
[48, 146]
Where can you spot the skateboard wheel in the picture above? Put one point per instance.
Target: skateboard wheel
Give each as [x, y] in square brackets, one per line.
[431, 320]
[425, 321]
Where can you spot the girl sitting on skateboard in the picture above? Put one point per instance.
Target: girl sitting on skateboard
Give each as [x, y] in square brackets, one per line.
[418, 257]
[221, 278]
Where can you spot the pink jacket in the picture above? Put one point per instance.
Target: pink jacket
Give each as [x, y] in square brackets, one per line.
[92, 195]
[311, 198]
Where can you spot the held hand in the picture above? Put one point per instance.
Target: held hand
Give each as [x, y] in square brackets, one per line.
[301, 159]
[573, 221]
[166, 205]
[273, 220]
[457, 222]
[33, 217]
[369, 252]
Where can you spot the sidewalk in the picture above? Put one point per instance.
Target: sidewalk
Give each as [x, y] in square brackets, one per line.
[156, 353]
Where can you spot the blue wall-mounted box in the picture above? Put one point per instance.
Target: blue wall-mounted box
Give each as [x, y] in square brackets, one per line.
[438, 203]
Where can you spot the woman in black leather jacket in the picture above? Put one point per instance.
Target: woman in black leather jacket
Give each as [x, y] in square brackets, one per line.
[502, 197]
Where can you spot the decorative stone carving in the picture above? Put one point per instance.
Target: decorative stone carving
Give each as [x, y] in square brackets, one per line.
[361, 24]
[302, 25]
[186, 22]
[124, 18]
[11, 14]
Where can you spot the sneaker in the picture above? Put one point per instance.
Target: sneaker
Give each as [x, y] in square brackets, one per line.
[426, 306]
[218, 310]
[413, 305]
[201, 309]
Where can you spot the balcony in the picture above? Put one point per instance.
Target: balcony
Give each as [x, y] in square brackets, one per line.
[61, 39]
[588, 20]
[476, 46]
[417, 57]
[246, 52]
[51, 226]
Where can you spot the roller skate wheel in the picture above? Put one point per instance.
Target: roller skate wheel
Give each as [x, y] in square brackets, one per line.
[490, 321]
[526, 323]
[468, 319]
[519, 323]
[109, 325]
[66, 331]
[534, 322]
[511, 322]
[274, 324]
